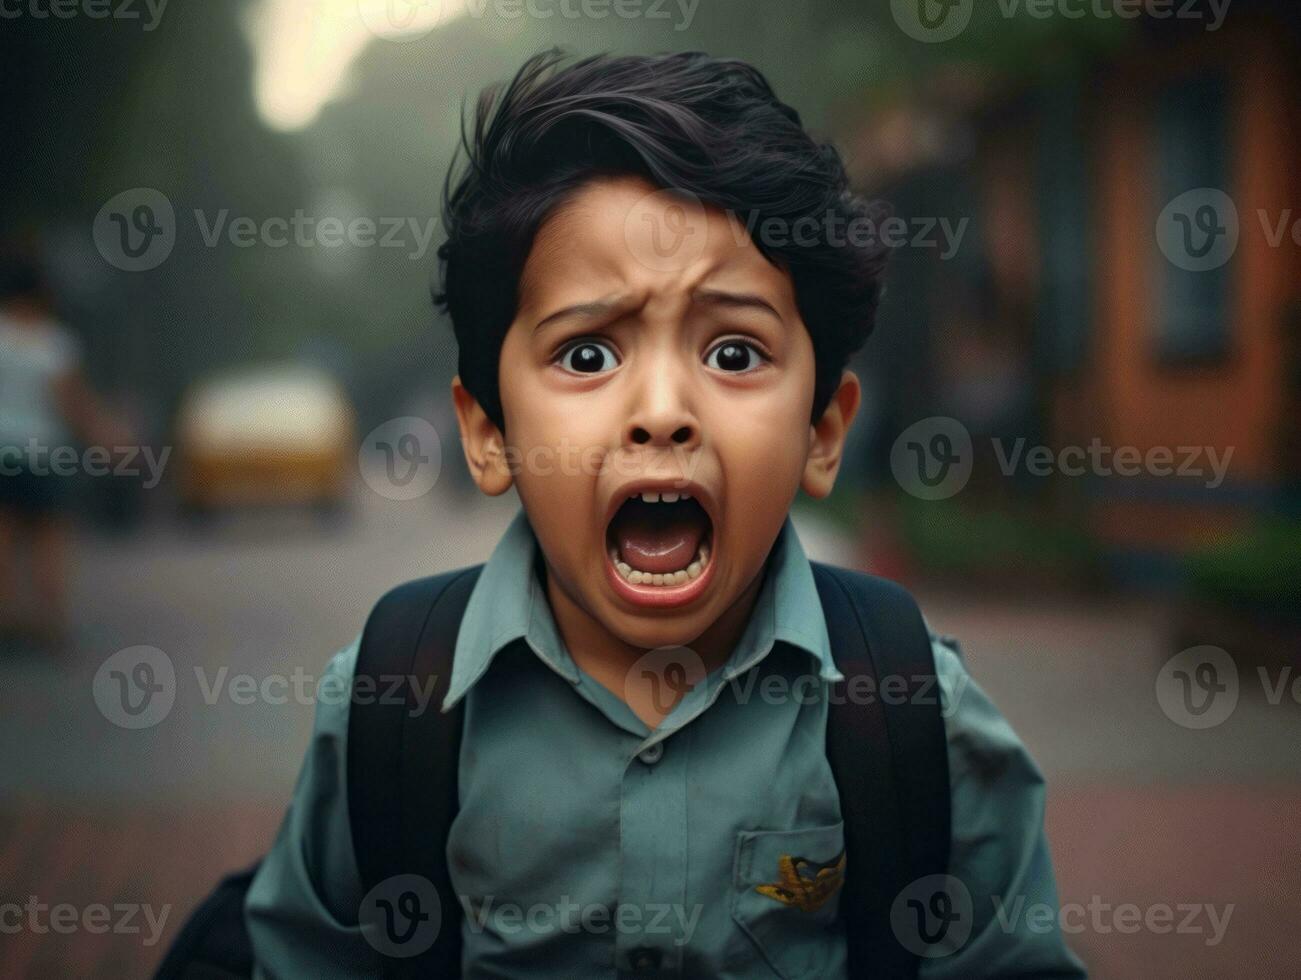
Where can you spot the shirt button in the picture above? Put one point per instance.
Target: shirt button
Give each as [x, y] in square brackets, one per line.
[644, 960]
[653, 754]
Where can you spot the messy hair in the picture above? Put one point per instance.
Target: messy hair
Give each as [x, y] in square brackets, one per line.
[709, 127]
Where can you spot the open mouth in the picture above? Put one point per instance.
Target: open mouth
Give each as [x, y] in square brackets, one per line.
[659, 544]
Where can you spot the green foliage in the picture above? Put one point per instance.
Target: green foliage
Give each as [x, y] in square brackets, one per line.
[949, 537]
[1258, 569]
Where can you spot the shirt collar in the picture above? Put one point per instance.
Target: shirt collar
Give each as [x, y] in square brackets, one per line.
[508, 604]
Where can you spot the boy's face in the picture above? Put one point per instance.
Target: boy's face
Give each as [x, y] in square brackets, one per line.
[654, 350]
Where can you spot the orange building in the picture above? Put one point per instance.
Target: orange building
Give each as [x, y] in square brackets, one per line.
[1136, 249]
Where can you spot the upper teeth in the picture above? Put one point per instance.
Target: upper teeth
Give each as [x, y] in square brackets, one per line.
[655, 496]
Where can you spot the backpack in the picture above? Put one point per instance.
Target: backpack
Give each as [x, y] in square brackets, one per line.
[888, 756]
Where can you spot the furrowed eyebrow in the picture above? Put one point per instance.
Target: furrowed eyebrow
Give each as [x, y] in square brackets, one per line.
[603, 308]
[586, 311]
[721, 297]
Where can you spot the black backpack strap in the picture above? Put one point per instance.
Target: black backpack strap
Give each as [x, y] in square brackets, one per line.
[403, 761]
[889, 758]
[214, 943]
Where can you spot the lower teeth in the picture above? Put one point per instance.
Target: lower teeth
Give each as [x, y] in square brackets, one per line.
[682, 575]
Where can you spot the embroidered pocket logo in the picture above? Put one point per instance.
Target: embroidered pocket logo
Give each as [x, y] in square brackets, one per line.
[805, 884]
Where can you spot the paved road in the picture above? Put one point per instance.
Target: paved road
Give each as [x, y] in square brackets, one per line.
[1142, 811]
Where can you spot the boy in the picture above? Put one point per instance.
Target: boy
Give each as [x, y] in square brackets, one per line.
[656, 370]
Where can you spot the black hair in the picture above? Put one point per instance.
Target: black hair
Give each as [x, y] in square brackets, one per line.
[711, 127]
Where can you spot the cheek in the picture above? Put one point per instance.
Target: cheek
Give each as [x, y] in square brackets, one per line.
[538, 413]
[554, 453]
[763, 446]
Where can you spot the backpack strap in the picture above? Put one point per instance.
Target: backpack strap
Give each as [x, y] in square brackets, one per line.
[403, 762]
[889, 758]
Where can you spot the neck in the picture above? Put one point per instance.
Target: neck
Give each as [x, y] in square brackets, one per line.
[608, 659]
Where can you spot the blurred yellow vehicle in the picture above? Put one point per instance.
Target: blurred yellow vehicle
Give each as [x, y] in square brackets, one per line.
[276, 435]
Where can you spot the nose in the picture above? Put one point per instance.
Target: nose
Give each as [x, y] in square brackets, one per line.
[662, 415]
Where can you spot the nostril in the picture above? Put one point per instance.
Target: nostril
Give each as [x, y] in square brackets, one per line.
[682, 435]
[640, 436]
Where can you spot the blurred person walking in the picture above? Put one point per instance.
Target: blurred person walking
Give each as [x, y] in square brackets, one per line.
[44, 403]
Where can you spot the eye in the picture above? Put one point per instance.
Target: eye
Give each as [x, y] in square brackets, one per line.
[588, 357]
[734, 356]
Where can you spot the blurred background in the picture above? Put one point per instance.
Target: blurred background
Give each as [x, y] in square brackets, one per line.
[224, 406]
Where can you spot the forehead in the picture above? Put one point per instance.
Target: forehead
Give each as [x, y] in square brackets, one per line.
[625, 234]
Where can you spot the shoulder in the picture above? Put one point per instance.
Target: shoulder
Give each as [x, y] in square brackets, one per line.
[982, 745]
[334, 692]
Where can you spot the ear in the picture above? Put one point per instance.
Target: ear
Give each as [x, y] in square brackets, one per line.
[483, 442]
[827, 437]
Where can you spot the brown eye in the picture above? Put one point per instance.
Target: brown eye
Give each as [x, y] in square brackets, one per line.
[589, 357]
[734, 356]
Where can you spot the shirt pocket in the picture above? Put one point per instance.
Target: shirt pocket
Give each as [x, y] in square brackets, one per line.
[786, 898]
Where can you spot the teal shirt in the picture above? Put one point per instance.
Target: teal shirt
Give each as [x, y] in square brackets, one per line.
[589, 845]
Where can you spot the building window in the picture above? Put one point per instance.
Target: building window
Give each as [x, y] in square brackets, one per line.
[1193, 147]
[1065, 243]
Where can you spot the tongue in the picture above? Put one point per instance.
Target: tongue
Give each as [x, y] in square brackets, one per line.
[660, 543]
